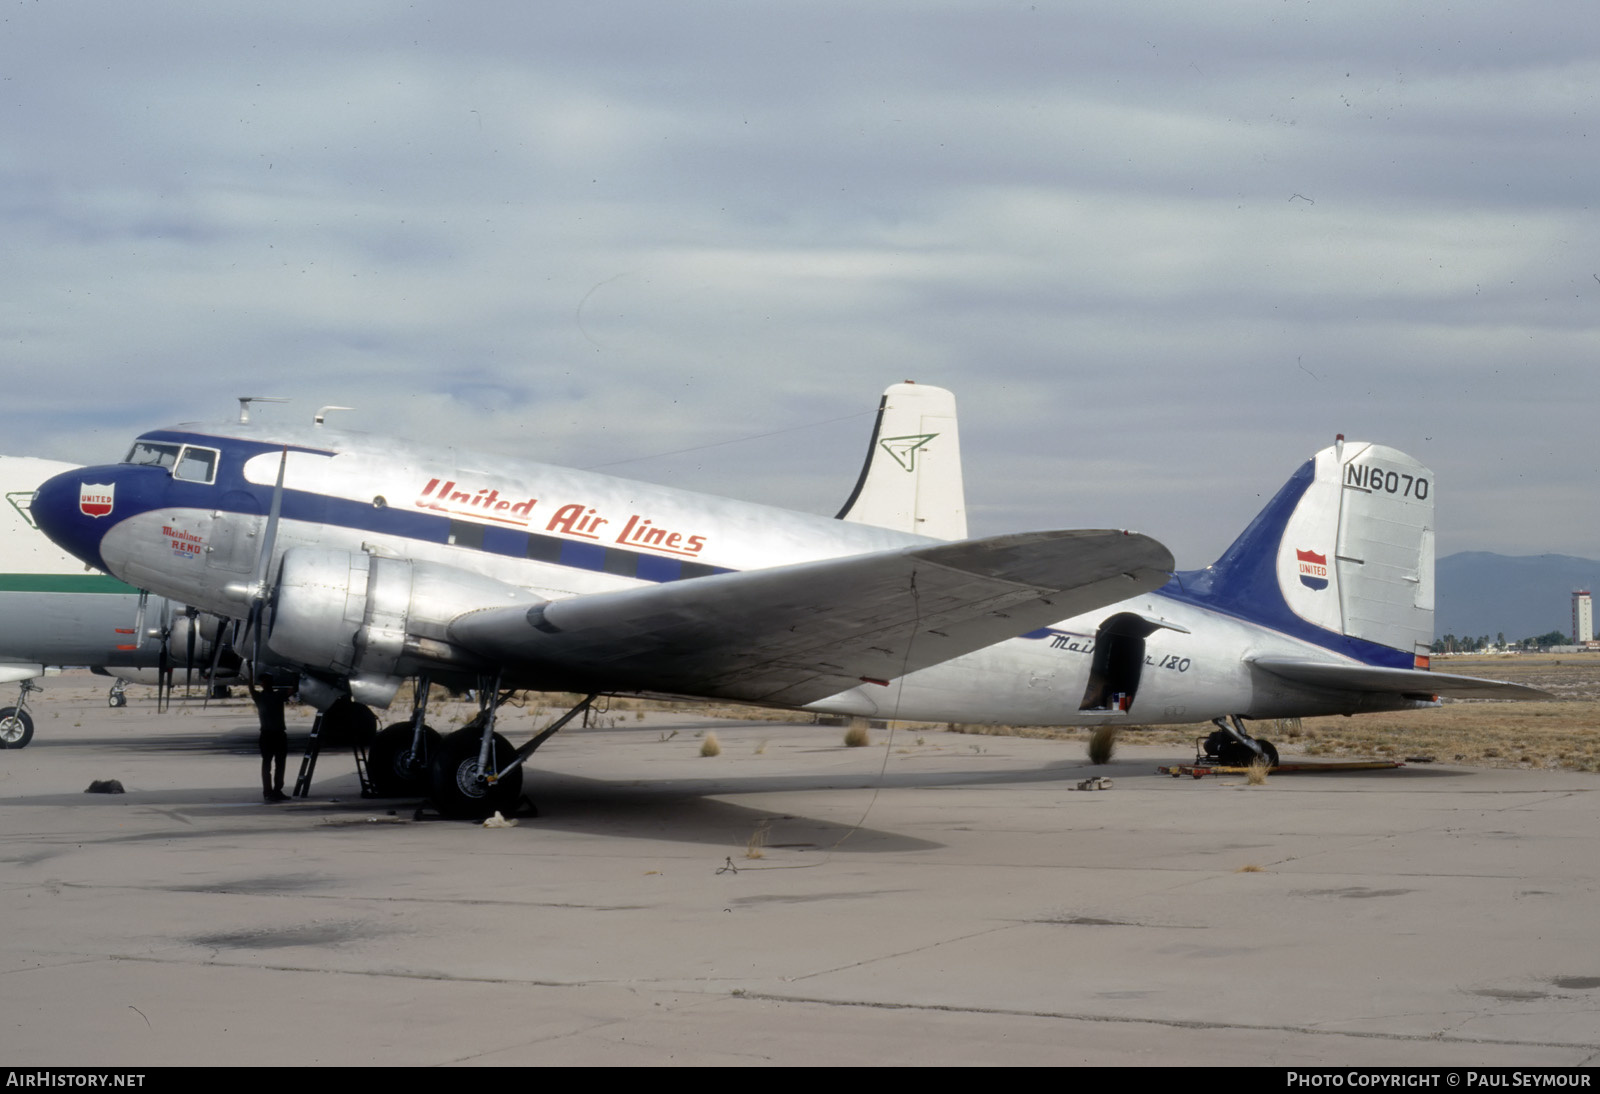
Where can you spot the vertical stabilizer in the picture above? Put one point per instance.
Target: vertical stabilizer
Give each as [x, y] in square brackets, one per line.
[1343, 556]
[911, 480]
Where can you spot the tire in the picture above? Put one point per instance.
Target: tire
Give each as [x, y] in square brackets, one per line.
[395, 772]
[16, 728]
[1269, 750]
[1232, 753]
[116, 700]
[453, 775]
[347, 722]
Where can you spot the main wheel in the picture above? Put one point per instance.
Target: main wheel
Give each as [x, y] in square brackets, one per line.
[16, 728]
[1268, 750]
[347, 722]
[116, 700]
[1232, 753]
[455, 781]
[395, 770]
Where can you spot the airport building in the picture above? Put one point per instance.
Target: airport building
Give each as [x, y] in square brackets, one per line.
[1582, 617]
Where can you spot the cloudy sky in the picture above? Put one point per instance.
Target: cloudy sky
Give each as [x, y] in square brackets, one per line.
[1162, 252]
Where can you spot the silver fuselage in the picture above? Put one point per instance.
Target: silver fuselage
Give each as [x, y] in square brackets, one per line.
[557, 533]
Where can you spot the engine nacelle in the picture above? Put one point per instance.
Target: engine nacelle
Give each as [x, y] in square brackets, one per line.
[375, 620]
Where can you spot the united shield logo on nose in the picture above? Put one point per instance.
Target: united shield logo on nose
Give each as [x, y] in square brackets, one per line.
[94, 498]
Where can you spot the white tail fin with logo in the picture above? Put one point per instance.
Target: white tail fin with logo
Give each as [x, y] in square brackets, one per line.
[1342, 556]
[1356, 555]
[911, 480]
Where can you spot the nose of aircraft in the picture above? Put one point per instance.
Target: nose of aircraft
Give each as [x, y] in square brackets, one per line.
[75, 508]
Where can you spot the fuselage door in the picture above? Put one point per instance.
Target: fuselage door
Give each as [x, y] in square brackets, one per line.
[1118, 663]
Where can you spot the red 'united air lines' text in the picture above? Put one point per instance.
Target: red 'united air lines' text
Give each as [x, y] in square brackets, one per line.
[582, 521]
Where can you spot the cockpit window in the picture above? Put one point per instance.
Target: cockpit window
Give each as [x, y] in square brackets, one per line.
[196, 465]
[187, 462]
[153, 454]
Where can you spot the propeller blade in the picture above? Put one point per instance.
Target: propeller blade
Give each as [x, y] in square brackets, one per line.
[138, 619]
[193, 617]
[216, 659]
[264, 564]
[264, 556]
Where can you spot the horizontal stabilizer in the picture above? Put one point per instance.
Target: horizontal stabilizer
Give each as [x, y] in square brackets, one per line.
[1417, 682]
[791, 635]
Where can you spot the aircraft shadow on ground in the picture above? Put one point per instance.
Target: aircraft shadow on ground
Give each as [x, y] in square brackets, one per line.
[671, 809]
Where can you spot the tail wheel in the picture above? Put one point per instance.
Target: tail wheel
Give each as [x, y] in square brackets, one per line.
[16, 728]
[458, 785]
[395, 769]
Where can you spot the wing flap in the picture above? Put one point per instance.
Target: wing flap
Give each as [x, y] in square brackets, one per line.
[1418, 682]
[790, 635]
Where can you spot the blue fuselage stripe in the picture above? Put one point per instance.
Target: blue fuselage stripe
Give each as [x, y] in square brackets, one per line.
[141, 490]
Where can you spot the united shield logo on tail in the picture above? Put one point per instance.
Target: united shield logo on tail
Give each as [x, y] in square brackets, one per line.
[1313, 569]
[95, 498]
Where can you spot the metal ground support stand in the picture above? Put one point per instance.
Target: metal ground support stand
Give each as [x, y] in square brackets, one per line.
[550, 731]
[308, 762]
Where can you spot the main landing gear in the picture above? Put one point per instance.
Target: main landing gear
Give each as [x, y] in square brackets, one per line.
[475, 771]
[1231, 746]
[398, 761]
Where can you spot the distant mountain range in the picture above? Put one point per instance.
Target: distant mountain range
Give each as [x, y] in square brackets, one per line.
[1477, 593]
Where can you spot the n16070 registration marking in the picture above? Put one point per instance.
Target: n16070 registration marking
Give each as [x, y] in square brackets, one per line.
[1379, 481]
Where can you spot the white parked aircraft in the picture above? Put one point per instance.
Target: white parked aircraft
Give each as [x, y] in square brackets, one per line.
[53, 611]
[361, 562]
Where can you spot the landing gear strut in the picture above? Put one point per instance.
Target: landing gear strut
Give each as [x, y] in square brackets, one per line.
[475, 771]
[118, 696]
[1232, 746]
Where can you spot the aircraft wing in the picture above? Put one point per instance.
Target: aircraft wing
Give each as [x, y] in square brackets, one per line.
[791, 635]
[1421, 683]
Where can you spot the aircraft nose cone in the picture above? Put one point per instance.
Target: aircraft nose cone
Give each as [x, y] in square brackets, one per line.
[75, 509]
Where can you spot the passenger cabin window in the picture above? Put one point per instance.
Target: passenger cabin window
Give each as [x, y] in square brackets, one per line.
[196, 465]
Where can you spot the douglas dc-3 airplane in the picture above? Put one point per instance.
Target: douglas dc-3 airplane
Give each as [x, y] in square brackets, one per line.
[360, 562]
[53, 613]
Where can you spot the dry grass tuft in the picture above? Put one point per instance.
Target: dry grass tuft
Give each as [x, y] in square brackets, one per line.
[757, 841]
[1256, 773]
[1102, 743]
[858, 735]
[710, 746]
[1251, 869]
